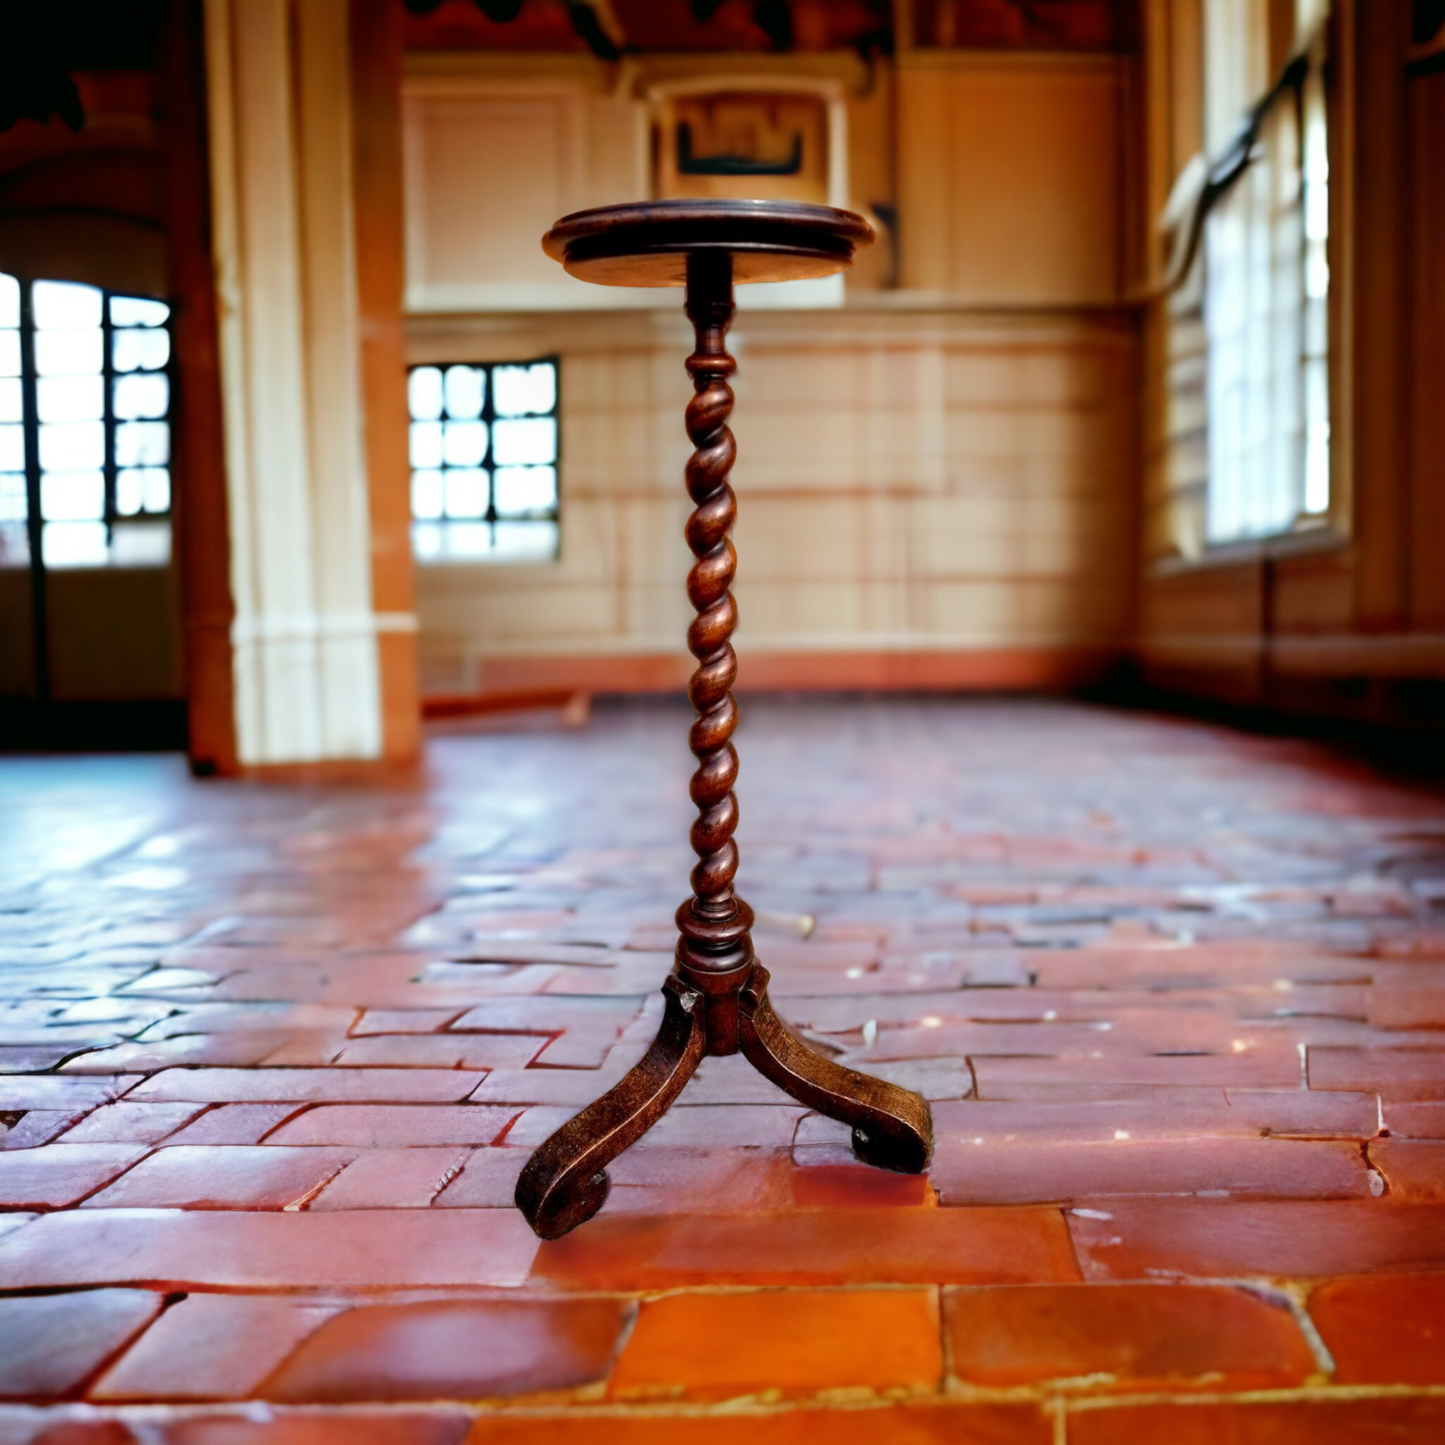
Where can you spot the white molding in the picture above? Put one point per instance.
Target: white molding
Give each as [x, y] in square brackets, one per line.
[305, 657]
[312, 625]
[467, 297]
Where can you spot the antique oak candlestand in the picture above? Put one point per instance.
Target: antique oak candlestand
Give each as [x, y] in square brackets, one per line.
[716, 997]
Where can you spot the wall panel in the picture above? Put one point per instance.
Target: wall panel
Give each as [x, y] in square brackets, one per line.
[909, 483]
[492, 158]
[1010, 176]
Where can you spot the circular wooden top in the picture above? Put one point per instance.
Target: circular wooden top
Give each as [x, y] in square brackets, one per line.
[648, 243]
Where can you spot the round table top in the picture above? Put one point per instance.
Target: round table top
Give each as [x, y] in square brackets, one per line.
[648, 243]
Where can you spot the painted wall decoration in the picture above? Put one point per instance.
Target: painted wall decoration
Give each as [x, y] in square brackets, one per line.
[741, 144]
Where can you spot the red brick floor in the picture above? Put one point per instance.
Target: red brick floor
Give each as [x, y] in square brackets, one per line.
[273, 1056]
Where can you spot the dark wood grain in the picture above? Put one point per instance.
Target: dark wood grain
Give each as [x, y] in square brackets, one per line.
[710, 308]
[202, 517]
[892, 1128]
[717, 997]
[648, 244]
[565, 1181]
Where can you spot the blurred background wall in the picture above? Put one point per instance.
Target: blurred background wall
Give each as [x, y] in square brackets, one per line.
[1135, 382]
[935, 457]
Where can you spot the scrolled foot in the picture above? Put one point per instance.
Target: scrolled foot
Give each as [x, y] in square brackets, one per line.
[892, 1128]
[565, 1182]
[905, 1148]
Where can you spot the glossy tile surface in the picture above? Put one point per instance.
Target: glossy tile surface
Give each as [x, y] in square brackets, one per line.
[272, 1056]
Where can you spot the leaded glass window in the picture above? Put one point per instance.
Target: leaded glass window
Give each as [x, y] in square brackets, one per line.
[85, 437]
[484, 456]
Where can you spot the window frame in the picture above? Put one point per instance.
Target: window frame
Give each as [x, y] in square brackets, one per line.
[1180, 540]
[491, 518]
[1278, 144]
[35, 519]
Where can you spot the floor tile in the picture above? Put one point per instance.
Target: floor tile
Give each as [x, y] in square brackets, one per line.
[1143, 1337]
[223, 1176]
[54, 1342]
[359, 1249]
[60, 1174]
[212, 1347]
[1384, 1329]
[1335, 1422]
[794, 1342]
[453, 1349]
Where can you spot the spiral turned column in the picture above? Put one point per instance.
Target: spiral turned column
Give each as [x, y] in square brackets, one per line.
[714, 952]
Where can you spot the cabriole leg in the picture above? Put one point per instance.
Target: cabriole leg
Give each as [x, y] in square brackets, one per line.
[565, 1181]
[892, 1128]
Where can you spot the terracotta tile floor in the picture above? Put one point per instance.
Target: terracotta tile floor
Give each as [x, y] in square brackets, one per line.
[273, 1057]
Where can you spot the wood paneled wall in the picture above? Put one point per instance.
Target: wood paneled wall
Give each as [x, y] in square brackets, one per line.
[1012, 168]
[925, 497]
[936, 479]
[1333, 621]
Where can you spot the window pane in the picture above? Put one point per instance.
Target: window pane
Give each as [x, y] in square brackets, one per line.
[520, 389]
[70, 398]
[466, 388]
[529, 442]
[464, 443]
[14, 506]
[68, 446]
[140, 350]
[466, 492]
[426, 494]
[527, 541]
[142, 489]
[426, 443]
[9, 300]
[157, 489]
[9, 353]
[1317, 467]
[468, 539]
[67, 353]
[456, 485]
[142, 444]
[11, 403]
[12, 448]
[141, 544]
[14, 545]
[128, 492]
[526, 489]
[73, 544]
[142, 394]
[72, 496]
[65, 304]
[138, 311]
[424, 393]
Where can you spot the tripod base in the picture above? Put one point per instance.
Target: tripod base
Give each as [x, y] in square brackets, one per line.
[565, 1181]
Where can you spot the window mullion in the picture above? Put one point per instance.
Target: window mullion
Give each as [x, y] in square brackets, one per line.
[107, 372]
[34, 523]
[489, 417]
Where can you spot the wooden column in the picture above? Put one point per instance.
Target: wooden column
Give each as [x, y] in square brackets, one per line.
[376, 63]
[309, 684]
[1370, 272]
[203, 544]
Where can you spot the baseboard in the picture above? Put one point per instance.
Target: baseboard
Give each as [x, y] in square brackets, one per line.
[548, 681]
[1319, 654]
[1386, 680]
